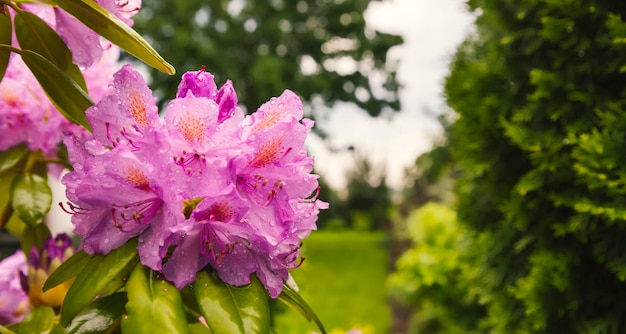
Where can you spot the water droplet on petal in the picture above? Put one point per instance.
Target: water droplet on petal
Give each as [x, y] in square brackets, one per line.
[106, 241]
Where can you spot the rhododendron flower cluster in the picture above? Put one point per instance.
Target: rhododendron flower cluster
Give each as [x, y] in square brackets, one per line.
[203, 186]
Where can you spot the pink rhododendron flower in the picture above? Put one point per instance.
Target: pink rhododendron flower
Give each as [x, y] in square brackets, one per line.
[203, 186]
[13, 299]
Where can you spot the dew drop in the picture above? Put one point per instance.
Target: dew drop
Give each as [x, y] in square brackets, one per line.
[165, 289]
[273, 100]
[106, 241]
[141, 240]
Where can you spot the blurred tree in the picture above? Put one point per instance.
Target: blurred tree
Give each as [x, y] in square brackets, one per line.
[366, 204]
[313, 47]
[541, 138]
[435, 274]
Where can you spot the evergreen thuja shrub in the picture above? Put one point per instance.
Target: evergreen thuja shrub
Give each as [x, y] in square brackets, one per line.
[540, 93]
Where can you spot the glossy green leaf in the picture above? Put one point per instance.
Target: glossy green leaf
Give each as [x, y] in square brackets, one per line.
[63, 92]
[6, 31]
[293, 299]
[11, 157]
[34, 236]
[68, 270]
[154, 305]
[35, 35]
[31, 198]
[95, 276]
[38, 320]
[228, 309]
[99, 316]
[110, 27]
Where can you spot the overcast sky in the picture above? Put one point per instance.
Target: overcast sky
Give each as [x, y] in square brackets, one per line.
[432, 29]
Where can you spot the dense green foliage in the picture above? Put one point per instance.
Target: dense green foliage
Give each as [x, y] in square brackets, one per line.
[261, 45]
[541, 97]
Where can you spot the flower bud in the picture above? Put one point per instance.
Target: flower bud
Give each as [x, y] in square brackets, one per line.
[41, 263]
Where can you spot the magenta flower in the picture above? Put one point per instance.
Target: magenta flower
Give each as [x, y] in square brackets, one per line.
[13, 299]
[204, 186]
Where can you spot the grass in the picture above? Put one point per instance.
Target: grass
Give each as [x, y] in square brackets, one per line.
[343, 280]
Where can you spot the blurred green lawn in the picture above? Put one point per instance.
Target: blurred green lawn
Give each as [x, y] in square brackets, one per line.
[343, 280]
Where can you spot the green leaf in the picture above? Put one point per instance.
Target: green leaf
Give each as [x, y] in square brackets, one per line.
[99, 316]
[31, 198]
[229, 309]
[6, 30]
[293, 299]
[154, 306]
[35, 35]
[4, 330]
[110, 27]
[58, 329]
[34, 236]
[11, 157]
[68, 270]
[95, 276]
[38, 320]
[64, 93]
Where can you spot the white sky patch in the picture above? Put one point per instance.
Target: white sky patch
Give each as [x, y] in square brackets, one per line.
[432, 29]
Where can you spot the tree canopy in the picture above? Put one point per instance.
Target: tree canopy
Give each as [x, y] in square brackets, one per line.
[541, 138]
[313, 47]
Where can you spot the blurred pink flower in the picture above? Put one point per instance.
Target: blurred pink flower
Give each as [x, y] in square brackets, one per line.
[85, 44]
[13, 299]
[28, 116]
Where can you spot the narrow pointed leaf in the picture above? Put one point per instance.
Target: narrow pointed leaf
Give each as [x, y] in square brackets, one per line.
[110, 27]
[228, 309]
[99, 316]
[31, 198]
[35, 35]
[293, 299]
[11, 157]
[64, 93]
[4, 330]
[68, 270]
[154, 306]
[38, 320]
[95, 276]
[6, 30]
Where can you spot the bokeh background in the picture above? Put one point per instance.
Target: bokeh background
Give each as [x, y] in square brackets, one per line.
[472, 153]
